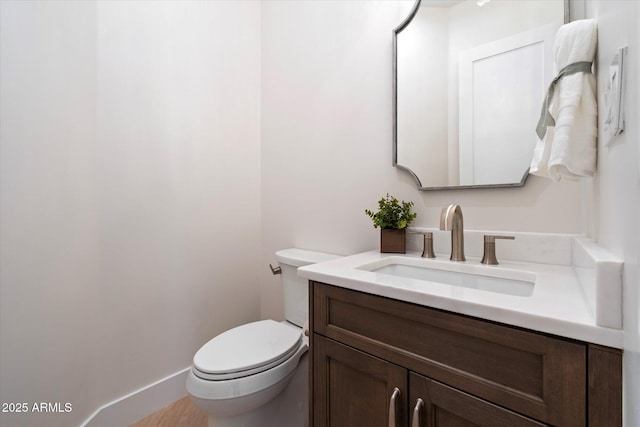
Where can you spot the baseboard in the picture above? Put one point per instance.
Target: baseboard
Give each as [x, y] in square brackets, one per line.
[137, 405]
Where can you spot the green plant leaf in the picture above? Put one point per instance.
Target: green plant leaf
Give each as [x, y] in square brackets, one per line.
[392, 213]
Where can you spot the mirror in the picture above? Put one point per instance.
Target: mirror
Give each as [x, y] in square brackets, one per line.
[469, 80]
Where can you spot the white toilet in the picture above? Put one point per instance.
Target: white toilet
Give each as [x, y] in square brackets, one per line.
[256, 375]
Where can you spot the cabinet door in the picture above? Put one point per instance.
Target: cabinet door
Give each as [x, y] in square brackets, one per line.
[352, 388]
[445, 406]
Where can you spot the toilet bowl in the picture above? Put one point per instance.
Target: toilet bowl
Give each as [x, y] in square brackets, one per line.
[256, 374]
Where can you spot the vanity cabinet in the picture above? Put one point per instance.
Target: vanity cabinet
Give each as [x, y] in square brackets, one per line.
[373, 358]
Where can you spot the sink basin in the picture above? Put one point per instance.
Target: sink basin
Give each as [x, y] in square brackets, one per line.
[490, 279]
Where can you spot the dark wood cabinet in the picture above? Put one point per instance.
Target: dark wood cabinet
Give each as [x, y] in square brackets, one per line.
[354, 388]
[444, 406]
[465, 371]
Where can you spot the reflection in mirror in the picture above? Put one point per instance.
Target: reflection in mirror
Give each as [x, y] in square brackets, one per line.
[469, 81]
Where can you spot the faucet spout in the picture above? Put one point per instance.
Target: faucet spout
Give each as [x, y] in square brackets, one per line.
[451, 220]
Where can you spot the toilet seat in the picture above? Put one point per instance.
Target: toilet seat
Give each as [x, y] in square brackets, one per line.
[247, 350]
[240, 383]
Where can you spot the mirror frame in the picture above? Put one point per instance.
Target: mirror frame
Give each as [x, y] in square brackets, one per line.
[396, 31]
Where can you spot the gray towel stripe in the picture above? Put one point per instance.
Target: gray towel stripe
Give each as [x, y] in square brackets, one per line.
[546, 119]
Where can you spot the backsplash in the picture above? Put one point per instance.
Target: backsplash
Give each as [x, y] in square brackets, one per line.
[543, 248]
[599, 273]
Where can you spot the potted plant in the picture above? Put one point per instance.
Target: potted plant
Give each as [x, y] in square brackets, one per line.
[393, 218]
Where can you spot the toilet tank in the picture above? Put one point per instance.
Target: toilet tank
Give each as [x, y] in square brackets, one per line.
[296, 289]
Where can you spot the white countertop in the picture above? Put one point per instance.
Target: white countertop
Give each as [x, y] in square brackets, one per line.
[559, 304]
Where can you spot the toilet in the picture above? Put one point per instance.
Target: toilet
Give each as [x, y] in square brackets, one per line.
[256, 374]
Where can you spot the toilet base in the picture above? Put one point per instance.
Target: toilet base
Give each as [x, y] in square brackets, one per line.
[288, 409]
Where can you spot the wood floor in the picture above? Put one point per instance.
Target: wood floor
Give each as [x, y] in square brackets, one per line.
[182, 413]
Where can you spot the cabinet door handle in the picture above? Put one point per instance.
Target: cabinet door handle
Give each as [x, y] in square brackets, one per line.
[393, 404]
[415, 419]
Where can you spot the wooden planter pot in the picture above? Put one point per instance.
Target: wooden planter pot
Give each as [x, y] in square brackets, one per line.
[393, 241]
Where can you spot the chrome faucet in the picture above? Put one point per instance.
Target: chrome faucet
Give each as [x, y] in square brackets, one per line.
[451, 220]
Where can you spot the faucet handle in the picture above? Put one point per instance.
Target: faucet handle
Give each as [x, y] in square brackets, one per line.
[489, 256]
[427, 248]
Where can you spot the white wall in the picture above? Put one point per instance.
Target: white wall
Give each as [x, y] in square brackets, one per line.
[130, 193]
[327, 140]
[178, 119]
[615, 193]
[49, 227]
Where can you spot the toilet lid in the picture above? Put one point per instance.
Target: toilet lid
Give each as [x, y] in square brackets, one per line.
[247, 349]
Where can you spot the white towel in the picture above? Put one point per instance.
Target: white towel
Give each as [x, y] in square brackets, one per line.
[568, 150]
